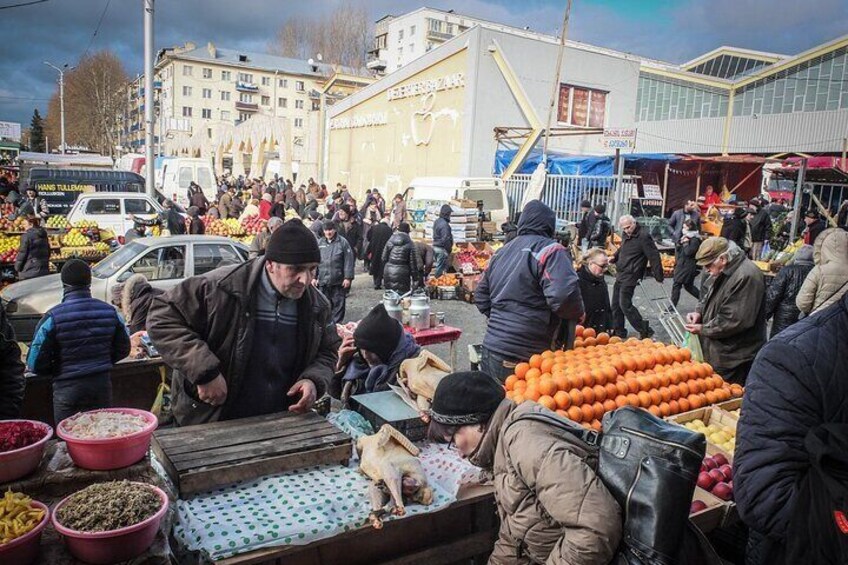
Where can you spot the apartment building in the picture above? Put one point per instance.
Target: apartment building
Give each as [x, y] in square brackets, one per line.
[202, 91]
[399, 40]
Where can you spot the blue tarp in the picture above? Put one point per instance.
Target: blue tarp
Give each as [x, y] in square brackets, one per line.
[584, 165]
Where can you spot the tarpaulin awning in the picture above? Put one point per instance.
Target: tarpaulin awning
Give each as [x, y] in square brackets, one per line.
[583, 165]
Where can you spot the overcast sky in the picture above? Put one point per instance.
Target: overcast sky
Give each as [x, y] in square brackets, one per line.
[60, 31]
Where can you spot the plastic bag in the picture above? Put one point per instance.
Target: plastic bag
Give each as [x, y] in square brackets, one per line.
[692, 342]
[163, 395]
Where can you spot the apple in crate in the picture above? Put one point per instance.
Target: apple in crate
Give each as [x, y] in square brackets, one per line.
[697, 506]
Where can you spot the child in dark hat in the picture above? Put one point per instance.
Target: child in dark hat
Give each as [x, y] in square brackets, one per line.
[551, 502]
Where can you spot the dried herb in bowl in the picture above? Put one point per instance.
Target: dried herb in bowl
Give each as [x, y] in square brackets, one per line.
[109, 506]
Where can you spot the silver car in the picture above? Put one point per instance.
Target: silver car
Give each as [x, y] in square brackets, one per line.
[165, 261]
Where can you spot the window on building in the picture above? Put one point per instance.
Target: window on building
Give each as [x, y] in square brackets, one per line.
[225, 115]
[411, 30]
[207, 93]
[186, 111]
[244, 116]
[316, 105]
[284, 83]
[411, 48]
[225, 96]
[207, 72]
[298, 122]
[582, 107]
[209, 133]
[400, 36]
[282, 103]
[187, 70]
[299, 86]
[225, 75]
[435, 25]
[449, 28]
[266, 100]
[245, 77]
[186, 91]
[246, 97]
[400, 52]
[298, 104]
[206, 114]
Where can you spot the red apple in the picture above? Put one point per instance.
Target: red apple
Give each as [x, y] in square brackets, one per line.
[697, 506]
[711, 463]
[704, 468]
[720, 459]
[717, 475]
[706, 481]
[723, 490]
[727, 471]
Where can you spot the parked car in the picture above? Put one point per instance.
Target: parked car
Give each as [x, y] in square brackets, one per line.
[165, 261]
[114, 210]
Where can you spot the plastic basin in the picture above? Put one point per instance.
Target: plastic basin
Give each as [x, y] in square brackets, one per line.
[110, 453]
[21, 462]
[114, 546]
[24, 550]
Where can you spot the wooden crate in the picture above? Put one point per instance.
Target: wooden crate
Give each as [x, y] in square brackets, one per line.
[708, 415]
[729, 406]
[713, 515]
[208, 456]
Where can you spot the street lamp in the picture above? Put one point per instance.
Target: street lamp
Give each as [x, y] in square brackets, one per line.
[61, 72]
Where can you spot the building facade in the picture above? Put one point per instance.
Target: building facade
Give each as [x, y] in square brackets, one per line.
[399, 40]
[233, 105]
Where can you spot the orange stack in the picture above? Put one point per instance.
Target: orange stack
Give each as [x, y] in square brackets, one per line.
[603, 373]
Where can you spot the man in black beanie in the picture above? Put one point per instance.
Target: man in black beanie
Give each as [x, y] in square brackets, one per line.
[251, 339]
[382, 345]
[76, 343]
[551, 503]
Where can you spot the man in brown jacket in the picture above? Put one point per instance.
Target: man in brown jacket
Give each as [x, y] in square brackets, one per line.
[248, 340]
[730, 318]
[552, 505]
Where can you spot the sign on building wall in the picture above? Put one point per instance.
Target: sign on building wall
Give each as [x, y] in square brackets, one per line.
[10, 130]
[619, 138]
[360, 120]
[447, 82]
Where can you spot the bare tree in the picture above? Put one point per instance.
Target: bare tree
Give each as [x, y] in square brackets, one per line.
[342, 36]
[94, 100]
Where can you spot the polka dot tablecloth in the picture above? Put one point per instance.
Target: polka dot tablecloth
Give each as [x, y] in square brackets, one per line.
[303, 506]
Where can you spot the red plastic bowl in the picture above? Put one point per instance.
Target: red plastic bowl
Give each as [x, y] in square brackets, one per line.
[21, 462]
[103, 548]
[24, 550]
[110, 453]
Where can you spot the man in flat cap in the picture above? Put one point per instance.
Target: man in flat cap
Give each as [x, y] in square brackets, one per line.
[730, 318]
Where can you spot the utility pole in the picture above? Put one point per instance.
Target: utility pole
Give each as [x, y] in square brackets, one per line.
[148, 98]
[61, 99]
[799, 194]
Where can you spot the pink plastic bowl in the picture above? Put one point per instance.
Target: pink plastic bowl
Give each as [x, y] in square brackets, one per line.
[21, 462]
[110, 453]
[24, 550]
[103, 548]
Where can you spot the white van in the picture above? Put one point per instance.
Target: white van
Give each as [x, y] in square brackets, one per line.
[441, 189]
[178, 173]
[111, 210]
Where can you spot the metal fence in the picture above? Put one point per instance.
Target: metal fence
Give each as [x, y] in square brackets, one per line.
[564, 193]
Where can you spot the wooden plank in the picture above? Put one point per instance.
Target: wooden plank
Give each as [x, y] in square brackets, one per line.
[190, 442]
[206, 479]
[202, 428]
[305, 440]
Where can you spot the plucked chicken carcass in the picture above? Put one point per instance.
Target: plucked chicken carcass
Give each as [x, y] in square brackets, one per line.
[420, 376]
[390, 460]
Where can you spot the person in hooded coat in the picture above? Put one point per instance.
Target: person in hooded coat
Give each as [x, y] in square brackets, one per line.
[685, 268]
[377, 239]
[33, 258]
[136, 296]
[781, 293]
[442, 239]
[529, 288]
[827, 282]
[401, 264]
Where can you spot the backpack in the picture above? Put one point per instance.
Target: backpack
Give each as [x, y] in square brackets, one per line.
[650, 467]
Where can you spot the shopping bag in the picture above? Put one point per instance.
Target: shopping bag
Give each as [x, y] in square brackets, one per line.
[163, 394]
[694, 345]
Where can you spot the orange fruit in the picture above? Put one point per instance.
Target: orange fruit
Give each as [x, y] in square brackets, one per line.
[547, 354]
[578, 343]
[609, 372]
[655, 410]
[576, 397]
[674, 406]
[575, 381]
[589, 341]
[615, 339]
[644, 399]
[547, 386]
[574, 413]
[578, 331]
[685, 354]
[532, 393]
[600, 393]
[711, 397]
[518, 398]
[618, 364]
[694, 386]
[612, 390]
[589, 332]
[610, 405]
[599, 376]
[562, 413]
[588, 413]
[640, 363]
[510, 381]
[536, 361]
[736, 391]
[633, 385]
[521, 370]
[665, 393]
[533, 373]
[622, 387]
[547, 365]
[644, 383]
[603, 338]
[588, 394]
[562, 399]
[588, 378]
[621, 400]
[684, 405]
[694, 401]
[684, 389]
[561, 382]
[664, 379]
[596, 425]
[629, 363]
[656, 397]
[548, 402]
[599, 410]
[510, 394]
[633, 400]
[665, 409]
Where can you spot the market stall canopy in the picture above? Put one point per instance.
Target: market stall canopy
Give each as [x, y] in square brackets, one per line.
[822, 170]
[584, 165]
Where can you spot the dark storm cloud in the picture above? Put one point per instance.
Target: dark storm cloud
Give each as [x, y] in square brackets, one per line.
[60, 30]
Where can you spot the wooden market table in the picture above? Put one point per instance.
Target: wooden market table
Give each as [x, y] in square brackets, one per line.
[439, 334]
[134, 385]
[465, 530]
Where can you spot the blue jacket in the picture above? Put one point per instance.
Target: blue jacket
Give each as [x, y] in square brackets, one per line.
[442, 234]
[80, 337]
[797, 383]
[529, 287]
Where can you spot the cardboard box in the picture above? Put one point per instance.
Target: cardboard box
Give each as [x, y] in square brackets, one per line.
[708, 415]
[729, 407]
[713, 515]
[470, 283]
